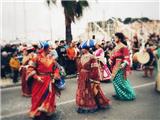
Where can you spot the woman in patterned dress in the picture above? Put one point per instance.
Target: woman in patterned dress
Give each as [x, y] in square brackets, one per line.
[120, 62]
[43, 72]
[89, 95]
[26, 91]
[99, 53]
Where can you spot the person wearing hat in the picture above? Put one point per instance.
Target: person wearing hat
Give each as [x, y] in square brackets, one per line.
[99, 54]
[89, 95]
[120, 62]
[43, 72]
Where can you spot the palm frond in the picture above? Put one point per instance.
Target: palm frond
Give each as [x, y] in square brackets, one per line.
[84, 3]
[79, 10]
[49, 2]
[54, 1]
[81, 5]
[69, 9]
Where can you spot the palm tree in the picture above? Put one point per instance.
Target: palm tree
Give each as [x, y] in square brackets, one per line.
[73, 9]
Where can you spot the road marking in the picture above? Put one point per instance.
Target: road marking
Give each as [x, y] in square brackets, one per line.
[10, 88]
[66, 102]
[13, 114]
[19, 86]
[69, 101]
[144, 85]
[25, 112]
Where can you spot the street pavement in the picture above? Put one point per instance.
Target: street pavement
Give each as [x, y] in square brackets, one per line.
[145, 107]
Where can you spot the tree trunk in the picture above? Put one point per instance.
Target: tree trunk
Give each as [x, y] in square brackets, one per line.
[68, 33]
[68, 28]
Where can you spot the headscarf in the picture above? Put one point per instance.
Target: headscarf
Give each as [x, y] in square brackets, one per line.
[88, 44]
[43, 44]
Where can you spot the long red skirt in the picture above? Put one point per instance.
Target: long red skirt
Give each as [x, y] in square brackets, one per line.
[85, 96]
[43, 97]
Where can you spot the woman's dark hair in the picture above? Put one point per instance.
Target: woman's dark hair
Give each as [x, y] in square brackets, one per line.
[30, 50]
[121, 37]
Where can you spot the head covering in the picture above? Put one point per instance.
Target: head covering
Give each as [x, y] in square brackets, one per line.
[43, 45]
[88, 44]
[4, 53]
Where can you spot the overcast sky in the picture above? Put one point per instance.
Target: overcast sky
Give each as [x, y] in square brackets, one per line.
[35, 19]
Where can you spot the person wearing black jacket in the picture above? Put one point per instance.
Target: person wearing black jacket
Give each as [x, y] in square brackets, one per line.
[61, 50]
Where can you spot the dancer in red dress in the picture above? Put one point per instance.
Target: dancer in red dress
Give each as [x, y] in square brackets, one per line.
[89, 96]
[43, 72]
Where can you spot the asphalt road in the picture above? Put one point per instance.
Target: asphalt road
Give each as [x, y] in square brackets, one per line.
[145, 107]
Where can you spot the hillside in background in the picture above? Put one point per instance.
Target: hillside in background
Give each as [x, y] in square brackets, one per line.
[142, 27]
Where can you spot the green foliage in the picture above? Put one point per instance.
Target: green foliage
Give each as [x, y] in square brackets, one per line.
[69, 9]
[132, 20]
[73, 9]
[51, 1]
[145, 19]
[80, 7]
[127, 20]
[120, 20]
